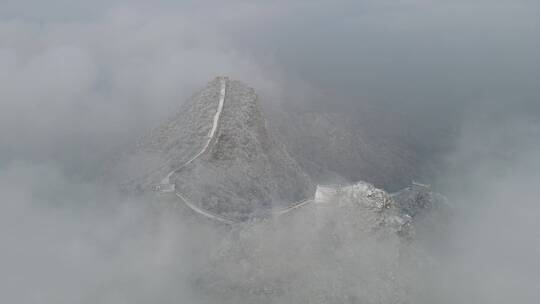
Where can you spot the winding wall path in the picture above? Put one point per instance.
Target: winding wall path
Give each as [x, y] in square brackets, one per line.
[167, 187]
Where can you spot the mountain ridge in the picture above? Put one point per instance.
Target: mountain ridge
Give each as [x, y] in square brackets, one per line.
[218, 154]
[219, 157]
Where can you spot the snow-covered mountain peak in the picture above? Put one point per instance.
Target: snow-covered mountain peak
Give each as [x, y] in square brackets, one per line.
[217, 154]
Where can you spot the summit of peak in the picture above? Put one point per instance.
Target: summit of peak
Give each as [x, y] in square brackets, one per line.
[217, 153]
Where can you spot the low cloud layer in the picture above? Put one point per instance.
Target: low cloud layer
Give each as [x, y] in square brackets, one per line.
[71, 91]
[80, 80]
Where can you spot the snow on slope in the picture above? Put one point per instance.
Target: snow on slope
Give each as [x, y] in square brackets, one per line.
[166, 185]
[246, 171]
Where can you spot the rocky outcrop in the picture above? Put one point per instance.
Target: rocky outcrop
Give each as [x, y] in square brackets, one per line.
[368, 207]
[418, 200]
[219, 157]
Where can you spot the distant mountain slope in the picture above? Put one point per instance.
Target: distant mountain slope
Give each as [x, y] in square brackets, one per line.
[330, 146]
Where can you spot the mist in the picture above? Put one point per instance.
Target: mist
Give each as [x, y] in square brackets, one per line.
[81, 80]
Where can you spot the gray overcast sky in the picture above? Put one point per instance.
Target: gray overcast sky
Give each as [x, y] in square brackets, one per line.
[407, 51]
[129, 63]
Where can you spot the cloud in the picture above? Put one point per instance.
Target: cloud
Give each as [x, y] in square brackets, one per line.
[65, 242]
[80, 79]
[73, 87]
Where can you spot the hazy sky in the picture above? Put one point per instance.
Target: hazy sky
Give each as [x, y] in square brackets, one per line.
[129, 63]
[80, 78]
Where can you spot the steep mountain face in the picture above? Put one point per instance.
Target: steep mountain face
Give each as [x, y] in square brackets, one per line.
[171, 144]
[246, 169]
[217, 155]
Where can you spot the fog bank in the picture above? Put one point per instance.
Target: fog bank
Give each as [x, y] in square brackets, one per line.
[80, 80]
